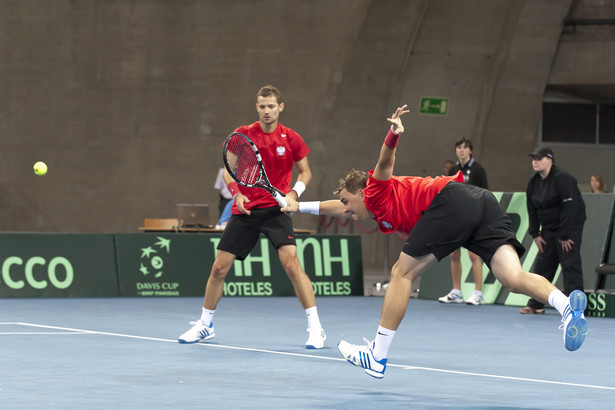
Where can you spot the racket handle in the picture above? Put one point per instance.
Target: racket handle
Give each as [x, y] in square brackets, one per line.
[280, 198]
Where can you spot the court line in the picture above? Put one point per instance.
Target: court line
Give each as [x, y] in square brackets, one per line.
[311, 356]
[495, 376]
[42, 333]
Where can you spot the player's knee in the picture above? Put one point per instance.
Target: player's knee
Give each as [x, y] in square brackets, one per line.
[399, 273]
[513, 281]
[455, 255]
[293, 268]
[219, 269]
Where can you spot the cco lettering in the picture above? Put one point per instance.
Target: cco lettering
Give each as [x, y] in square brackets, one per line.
[33, 272]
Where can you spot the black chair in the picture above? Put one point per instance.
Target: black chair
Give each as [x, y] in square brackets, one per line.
[601, 272]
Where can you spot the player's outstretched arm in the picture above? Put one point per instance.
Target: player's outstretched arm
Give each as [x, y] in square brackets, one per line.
[384, 167]
[331, 207]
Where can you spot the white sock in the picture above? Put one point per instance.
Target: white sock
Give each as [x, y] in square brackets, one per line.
[558, 300]
[478, 292]
[382, 342]
[207, 316]
[312, 317]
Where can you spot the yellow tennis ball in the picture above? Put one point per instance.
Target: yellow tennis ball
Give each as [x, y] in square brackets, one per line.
[40, 168]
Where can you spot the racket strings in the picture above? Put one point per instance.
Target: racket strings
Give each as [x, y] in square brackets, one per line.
[242, 160]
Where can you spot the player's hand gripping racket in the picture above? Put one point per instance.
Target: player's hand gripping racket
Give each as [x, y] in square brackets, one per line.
[243, 162]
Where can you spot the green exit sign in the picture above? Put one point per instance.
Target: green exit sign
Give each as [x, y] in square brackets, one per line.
[434, 105]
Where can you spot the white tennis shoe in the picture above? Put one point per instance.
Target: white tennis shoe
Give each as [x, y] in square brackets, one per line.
[574, 323]
[316, 338]
[476, 299]
[454, 296]
[363, 356]
[197, 332]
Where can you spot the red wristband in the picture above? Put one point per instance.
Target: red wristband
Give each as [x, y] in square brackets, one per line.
[391, 139]
[233, 188]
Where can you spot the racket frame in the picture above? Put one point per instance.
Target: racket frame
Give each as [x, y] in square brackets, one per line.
[262, 181]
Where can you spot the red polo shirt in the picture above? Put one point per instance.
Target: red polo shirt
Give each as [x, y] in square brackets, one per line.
[279, 150]
[398, 203]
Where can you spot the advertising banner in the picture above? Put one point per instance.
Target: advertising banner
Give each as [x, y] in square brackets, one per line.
[600, 304]
[179, 264]
[57, 265]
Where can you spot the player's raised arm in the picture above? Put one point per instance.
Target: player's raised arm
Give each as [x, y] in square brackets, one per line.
[384, 167]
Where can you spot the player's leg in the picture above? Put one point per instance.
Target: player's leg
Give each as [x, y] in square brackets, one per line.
[237, 241]
[506, 267]
[456, 268]
[477, 273]
[495, 242]
[373, 356]
[405, 270]
[278, 227]
[203, 329]
[301, 282]
[305, 293]
[215, 284]
[477, 270]
[455, 295]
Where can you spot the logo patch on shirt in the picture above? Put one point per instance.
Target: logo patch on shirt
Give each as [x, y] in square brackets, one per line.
[281, 150]
[386, 224]
[283, 135]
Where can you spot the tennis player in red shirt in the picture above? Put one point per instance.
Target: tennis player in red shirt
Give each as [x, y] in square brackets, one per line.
[440, 215]
[255, 211]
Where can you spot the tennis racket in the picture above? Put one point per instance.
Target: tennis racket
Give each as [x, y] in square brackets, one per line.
[244, 163]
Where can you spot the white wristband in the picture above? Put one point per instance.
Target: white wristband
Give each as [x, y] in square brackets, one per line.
[311, 207]
[299, 188]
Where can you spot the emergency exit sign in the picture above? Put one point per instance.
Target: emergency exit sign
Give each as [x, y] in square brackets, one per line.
[434, 106]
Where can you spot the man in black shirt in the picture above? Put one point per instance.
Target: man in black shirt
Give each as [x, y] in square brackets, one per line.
[473, 174]
[556, 215]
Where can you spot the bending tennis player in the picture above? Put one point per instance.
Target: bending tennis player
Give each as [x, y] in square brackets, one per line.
[255, 211]
[440, 215]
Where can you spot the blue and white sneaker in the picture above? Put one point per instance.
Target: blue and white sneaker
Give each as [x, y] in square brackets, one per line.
[197, 332]
[363, 356]
[454, 296]
[574, 323]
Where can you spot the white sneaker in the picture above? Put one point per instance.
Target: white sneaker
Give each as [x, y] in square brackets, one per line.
[316, 338]
[363, 356]
[197, 332]
[454, 296]
[574, 323]
[476, 299]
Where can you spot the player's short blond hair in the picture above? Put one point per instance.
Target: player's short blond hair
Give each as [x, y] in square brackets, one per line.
[352, 182]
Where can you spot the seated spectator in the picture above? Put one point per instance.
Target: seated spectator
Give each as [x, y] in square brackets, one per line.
[226, 215]
[597, 184]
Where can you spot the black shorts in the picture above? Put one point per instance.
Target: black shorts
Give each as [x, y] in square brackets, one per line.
[462, 215]
[242, 231]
